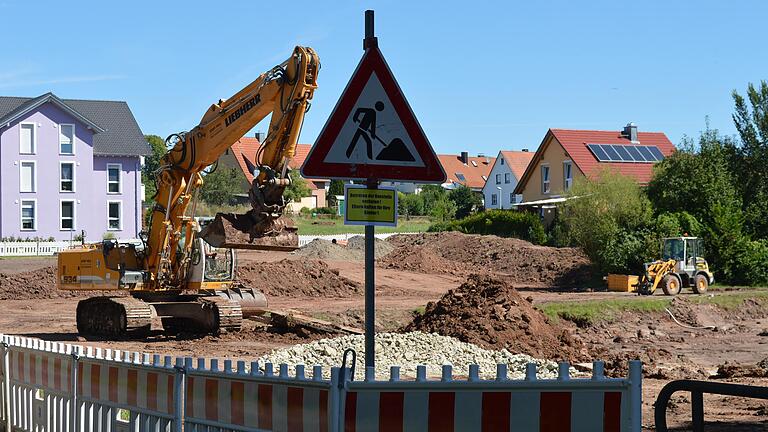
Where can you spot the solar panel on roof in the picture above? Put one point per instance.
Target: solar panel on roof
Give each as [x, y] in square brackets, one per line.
[598, 152]
[656, 152]
[623, 153]
[612, 154]
[626, 153]
[646, 153]
[635, 153]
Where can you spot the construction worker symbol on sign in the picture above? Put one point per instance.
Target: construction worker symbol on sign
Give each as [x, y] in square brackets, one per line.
[365, 118]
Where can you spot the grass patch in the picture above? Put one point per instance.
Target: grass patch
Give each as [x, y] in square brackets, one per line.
[327, 226]
[587, 313]
[419, 310]
[731, 300]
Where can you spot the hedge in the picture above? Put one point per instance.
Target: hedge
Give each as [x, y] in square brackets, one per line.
[503, 223]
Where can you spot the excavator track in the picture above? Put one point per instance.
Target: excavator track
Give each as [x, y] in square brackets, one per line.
[114, 317]
[227, 314]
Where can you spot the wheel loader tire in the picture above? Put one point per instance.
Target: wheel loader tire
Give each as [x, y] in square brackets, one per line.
[671, 284]
[700, 284]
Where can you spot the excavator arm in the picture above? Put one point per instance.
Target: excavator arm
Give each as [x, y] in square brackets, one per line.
[284, 92]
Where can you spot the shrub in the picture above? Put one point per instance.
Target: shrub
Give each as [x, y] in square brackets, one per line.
[305, 211]
[325, 210]
[503, 223]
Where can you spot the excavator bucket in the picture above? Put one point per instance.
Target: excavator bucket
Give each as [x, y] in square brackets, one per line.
[252, 301]
[242, 231]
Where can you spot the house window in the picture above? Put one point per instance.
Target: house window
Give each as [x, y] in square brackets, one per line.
[67, 139]
[115, 215]
[67, 177]
[461, 177]
[494, 199]
[511, 197]
[545, 179]
[502, 161]
[567, 174]
[67, 215]
[114, 185]
[28, 139]
[27, 181]
[498, 178]
[507, 178]
[28, 211]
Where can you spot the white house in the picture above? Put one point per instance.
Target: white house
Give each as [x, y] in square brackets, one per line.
[507, 170]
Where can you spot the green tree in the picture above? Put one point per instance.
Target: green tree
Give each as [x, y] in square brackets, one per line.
[465, 200]
[751, 122]
[410, 204]
[696, 180]
[220, 186]
[298, 188]
[609, 218]
[431, 194]
[336, 188]
[151, 164]
[443, 209]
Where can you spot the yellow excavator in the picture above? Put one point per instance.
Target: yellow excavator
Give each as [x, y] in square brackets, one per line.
[181, 272]
[681, 265]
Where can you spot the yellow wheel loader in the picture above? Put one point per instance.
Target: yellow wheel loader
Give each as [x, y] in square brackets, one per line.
[681, 265]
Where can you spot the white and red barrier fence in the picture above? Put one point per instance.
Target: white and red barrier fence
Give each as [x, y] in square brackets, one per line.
[49, 386]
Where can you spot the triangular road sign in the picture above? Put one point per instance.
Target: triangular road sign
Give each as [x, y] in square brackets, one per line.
[372, 132]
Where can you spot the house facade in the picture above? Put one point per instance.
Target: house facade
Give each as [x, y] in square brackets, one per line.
[499, 189]
[242, 155]
[68, 166]
[565, 155]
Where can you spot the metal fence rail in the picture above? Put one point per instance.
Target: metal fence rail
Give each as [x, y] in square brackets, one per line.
[697, 390]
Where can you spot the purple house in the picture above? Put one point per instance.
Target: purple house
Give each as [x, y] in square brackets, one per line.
[67, 166]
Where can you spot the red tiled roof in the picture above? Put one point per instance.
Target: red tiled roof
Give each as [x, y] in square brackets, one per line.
[518, 161]
[245, 150]
[575, 144]
[473, 172]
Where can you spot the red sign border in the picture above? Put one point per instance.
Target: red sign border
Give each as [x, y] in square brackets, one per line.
[315, 166]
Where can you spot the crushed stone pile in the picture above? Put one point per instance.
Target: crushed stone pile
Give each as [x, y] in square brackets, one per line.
[354, 250]
[295, 278]
[462, 254]
[489, 312]
[408, 350]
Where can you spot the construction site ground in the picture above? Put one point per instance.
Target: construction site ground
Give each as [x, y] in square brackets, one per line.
[669, 351]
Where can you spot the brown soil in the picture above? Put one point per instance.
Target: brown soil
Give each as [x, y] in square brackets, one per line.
[489, 312]
[34, 284]
[292, 278]
[456, 253]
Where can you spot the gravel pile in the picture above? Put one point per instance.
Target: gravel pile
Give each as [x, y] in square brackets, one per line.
[354, 250]
[409, 350]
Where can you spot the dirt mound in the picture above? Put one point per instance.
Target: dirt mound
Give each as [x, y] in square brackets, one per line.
[294, 278]
[354, 250]
[35, 284]
[457, 253]
[489, 312]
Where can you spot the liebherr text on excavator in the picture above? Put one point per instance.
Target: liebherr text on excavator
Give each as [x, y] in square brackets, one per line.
[182, 274]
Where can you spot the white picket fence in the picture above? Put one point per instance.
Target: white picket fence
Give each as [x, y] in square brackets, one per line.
[43, 248]
[31, 248]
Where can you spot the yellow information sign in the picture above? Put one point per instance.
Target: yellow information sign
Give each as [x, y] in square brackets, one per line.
[365, 206]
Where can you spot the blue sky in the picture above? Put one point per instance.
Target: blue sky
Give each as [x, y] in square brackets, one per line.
[481, 76]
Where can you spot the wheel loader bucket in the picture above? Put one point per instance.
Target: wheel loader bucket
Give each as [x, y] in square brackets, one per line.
[243, 231]
[252, 301]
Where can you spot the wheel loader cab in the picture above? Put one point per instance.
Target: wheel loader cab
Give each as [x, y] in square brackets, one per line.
[688, 252]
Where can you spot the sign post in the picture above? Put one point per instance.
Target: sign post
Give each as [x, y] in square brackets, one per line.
[371, 136]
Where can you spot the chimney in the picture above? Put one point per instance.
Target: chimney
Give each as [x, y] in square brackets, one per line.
[464, 157]
[259, 136]
[525, 150]
[481, 155]
[630, 132]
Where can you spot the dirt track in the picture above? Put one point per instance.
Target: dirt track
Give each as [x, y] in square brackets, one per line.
[651, 336]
